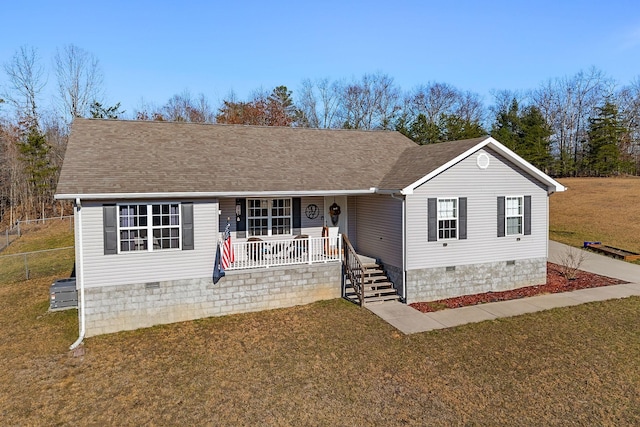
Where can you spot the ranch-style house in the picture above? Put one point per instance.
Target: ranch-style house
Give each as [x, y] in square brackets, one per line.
[312, 213]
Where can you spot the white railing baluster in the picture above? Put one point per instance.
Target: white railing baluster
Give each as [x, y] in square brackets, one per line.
[271, 253]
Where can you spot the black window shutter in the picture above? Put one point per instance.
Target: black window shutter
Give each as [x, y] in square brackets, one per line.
[501, 217]
[527, 215]
[110, 225]
[297, 215]
[462, 218]
[432, 220]
[241, 221]
[187, 226]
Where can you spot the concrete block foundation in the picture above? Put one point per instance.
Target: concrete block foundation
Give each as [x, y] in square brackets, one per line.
[126, 307]
[437, 283]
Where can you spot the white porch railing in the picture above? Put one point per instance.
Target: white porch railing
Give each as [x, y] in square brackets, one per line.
[271, 253]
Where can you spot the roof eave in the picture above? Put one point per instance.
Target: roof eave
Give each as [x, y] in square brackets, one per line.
[553, 186]
[213, 194]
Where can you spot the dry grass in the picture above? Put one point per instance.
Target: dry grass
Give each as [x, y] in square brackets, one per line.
[38, 237]
[329, 363]
[597, 209]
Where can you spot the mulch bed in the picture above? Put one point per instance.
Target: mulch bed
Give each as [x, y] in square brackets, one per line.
[556, 282]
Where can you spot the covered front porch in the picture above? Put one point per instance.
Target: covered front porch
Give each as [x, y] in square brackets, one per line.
[269, 232]
[363, 278]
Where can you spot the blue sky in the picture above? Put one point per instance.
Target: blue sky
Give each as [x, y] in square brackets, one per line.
[151, 50]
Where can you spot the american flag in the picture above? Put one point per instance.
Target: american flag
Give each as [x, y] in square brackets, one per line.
[228, 256]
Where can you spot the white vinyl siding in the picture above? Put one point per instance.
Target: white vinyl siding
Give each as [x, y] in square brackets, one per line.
[481, 187]
[146, 266]
[379, 228]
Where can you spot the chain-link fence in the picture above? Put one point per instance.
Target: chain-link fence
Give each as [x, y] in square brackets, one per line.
[31, 265]
[27, 226]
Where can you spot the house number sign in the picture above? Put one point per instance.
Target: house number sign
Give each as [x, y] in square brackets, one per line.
[312, 211]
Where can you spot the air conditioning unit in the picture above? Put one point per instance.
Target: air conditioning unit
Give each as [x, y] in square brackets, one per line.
[63, 294]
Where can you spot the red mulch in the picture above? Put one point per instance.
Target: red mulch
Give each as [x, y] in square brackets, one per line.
[555, 283]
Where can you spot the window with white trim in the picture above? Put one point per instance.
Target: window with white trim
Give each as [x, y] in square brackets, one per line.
[513, 215]
[148, 227]
[447, 219]
[269, 217]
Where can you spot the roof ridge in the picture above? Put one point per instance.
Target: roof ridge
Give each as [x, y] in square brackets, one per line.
[174, 122]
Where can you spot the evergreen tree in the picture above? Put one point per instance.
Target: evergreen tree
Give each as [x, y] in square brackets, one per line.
[455, 128]
[98, 111]
[535, 142]
[34, 153]
[506, 128]
[280, 108]
[605, 134]
[525, 132]
[424, 132]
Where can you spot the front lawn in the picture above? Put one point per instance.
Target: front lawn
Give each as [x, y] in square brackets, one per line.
[329, 363]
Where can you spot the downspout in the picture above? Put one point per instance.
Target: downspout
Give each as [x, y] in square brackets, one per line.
[404, 252]
[80, 276]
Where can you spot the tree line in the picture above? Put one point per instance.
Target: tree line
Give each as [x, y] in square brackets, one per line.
[581, 125]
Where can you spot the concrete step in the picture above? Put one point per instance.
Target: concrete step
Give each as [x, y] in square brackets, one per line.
[381, 299]
[373, 292]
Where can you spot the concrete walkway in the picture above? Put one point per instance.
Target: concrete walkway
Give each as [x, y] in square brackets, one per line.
[409, 320]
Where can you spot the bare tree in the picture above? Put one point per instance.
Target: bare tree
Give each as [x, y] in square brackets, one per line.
[308, 104]
[628, 100]
[26, 80]
[80, 81]
[319, 102]
[567, 103]
[179, 108]
[432, 100]
[470, 108]
[369, 103]
[183, 108]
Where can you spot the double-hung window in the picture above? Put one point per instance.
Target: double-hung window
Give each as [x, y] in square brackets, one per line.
[514, 215]
[269, 217]
[447, 219]
[148, 227]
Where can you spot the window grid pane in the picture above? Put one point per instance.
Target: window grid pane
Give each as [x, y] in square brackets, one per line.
[258, 216]
[280, 216]
[166, 230]
[447, 229]
[514, 225]
[132, 236]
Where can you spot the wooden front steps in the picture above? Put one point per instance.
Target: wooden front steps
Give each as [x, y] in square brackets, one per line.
[377, 286]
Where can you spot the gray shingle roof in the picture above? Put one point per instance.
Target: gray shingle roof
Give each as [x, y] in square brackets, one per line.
[137, 157]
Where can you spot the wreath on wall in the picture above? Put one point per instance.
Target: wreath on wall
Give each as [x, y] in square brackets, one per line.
[334, 213]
